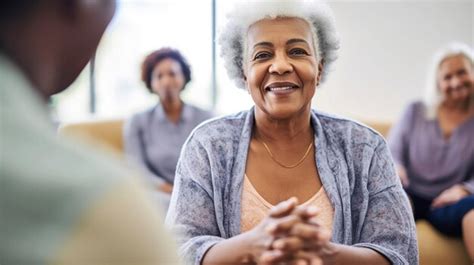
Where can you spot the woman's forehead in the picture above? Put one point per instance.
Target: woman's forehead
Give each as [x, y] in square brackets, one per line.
[279, 29]
[167, 63]
[454, 62]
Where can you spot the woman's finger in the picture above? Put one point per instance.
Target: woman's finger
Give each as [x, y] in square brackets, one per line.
[282, 225]
[306, 255]
[306, 213]
[271, 257]
[314, 222]
[304, 231]
[284, 208]
[290, 244]
[314, 237]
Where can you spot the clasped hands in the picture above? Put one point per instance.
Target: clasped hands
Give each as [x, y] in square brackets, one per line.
[290, 234]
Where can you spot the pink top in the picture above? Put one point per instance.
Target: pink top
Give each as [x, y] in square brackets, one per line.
[254, 208]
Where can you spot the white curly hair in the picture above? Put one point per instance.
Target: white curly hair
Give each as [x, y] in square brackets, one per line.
[433, 96]
[315, 12]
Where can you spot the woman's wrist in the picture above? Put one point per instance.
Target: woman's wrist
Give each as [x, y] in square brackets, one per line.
[338, 254]
[330, 254]
[235, 250]
[464, 189]
[248, 246]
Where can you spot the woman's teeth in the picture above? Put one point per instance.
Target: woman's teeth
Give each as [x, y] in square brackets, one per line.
[280, 88]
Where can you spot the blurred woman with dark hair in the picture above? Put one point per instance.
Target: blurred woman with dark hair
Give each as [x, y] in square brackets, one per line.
[153, 138]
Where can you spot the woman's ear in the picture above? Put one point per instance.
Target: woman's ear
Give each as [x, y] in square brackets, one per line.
[320, 72]
[246, 85]
[245, 81]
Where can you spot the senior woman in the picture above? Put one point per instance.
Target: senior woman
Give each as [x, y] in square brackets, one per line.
[239, 178]
[433, 146]
[153, 138]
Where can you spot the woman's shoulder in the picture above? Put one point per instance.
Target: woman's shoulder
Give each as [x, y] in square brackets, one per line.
[415, 109]
[347, 131]
[223, 127]
[140, 118]
[414, 113]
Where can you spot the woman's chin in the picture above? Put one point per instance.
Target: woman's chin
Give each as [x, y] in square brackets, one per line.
[283, 112]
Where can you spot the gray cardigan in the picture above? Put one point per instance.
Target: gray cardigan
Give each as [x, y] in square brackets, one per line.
[370, 207]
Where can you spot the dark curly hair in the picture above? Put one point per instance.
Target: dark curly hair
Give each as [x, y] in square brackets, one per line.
[156, 57]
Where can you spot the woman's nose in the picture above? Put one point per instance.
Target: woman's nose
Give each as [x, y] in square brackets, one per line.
[280, 65]
[166, 80]
[455, 82]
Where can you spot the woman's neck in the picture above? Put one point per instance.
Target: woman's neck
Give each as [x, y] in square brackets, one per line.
[463, 108]
[283, 131]
[173, 109]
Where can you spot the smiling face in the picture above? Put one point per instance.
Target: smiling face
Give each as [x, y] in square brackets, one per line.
[280, 66]
[456, 79]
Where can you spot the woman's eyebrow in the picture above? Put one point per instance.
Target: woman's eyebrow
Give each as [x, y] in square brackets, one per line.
[292, 41]
[263, 43]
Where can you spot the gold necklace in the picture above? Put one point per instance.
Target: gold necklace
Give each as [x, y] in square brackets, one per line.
[281, 164]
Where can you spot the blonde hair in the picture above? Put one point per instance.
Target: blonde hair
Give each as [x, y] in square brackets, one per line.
[315, 12]
[433, 96]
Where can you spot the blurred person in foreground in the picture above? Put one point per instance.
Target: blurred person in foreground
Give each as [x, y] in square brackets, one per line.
[433, 146]
[61, 203]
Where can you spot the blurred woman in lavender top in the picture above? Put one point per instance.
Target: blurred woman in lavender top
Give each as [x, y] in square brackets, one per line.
[433, 146]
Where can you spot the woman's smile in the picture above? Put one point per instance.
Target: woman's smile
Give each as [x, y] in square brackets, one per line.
[281, 88]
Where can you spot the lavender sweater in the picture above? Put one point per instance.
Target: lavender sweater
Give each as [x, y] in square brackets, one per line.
[433, 163]
[371, 209]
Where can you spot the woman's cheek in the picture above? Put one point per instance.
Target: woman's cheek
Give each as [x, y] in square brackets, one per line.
[256, 76]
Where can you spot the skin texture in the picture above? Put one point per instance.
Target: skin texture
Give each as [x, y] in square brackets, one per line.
[280, 53]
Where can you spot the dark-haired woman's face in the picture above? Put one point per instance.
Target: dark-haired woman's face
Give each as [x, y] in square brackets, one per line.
[167, 80]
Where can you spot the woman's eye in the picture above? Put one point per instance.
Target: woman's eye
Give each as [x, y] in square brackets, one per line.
[298, 52]
[462, 72]
[262, 55]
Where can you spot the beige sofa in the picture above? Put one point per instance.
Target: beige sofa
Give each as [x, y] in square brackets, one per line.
[104, 132]
[435, 248]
